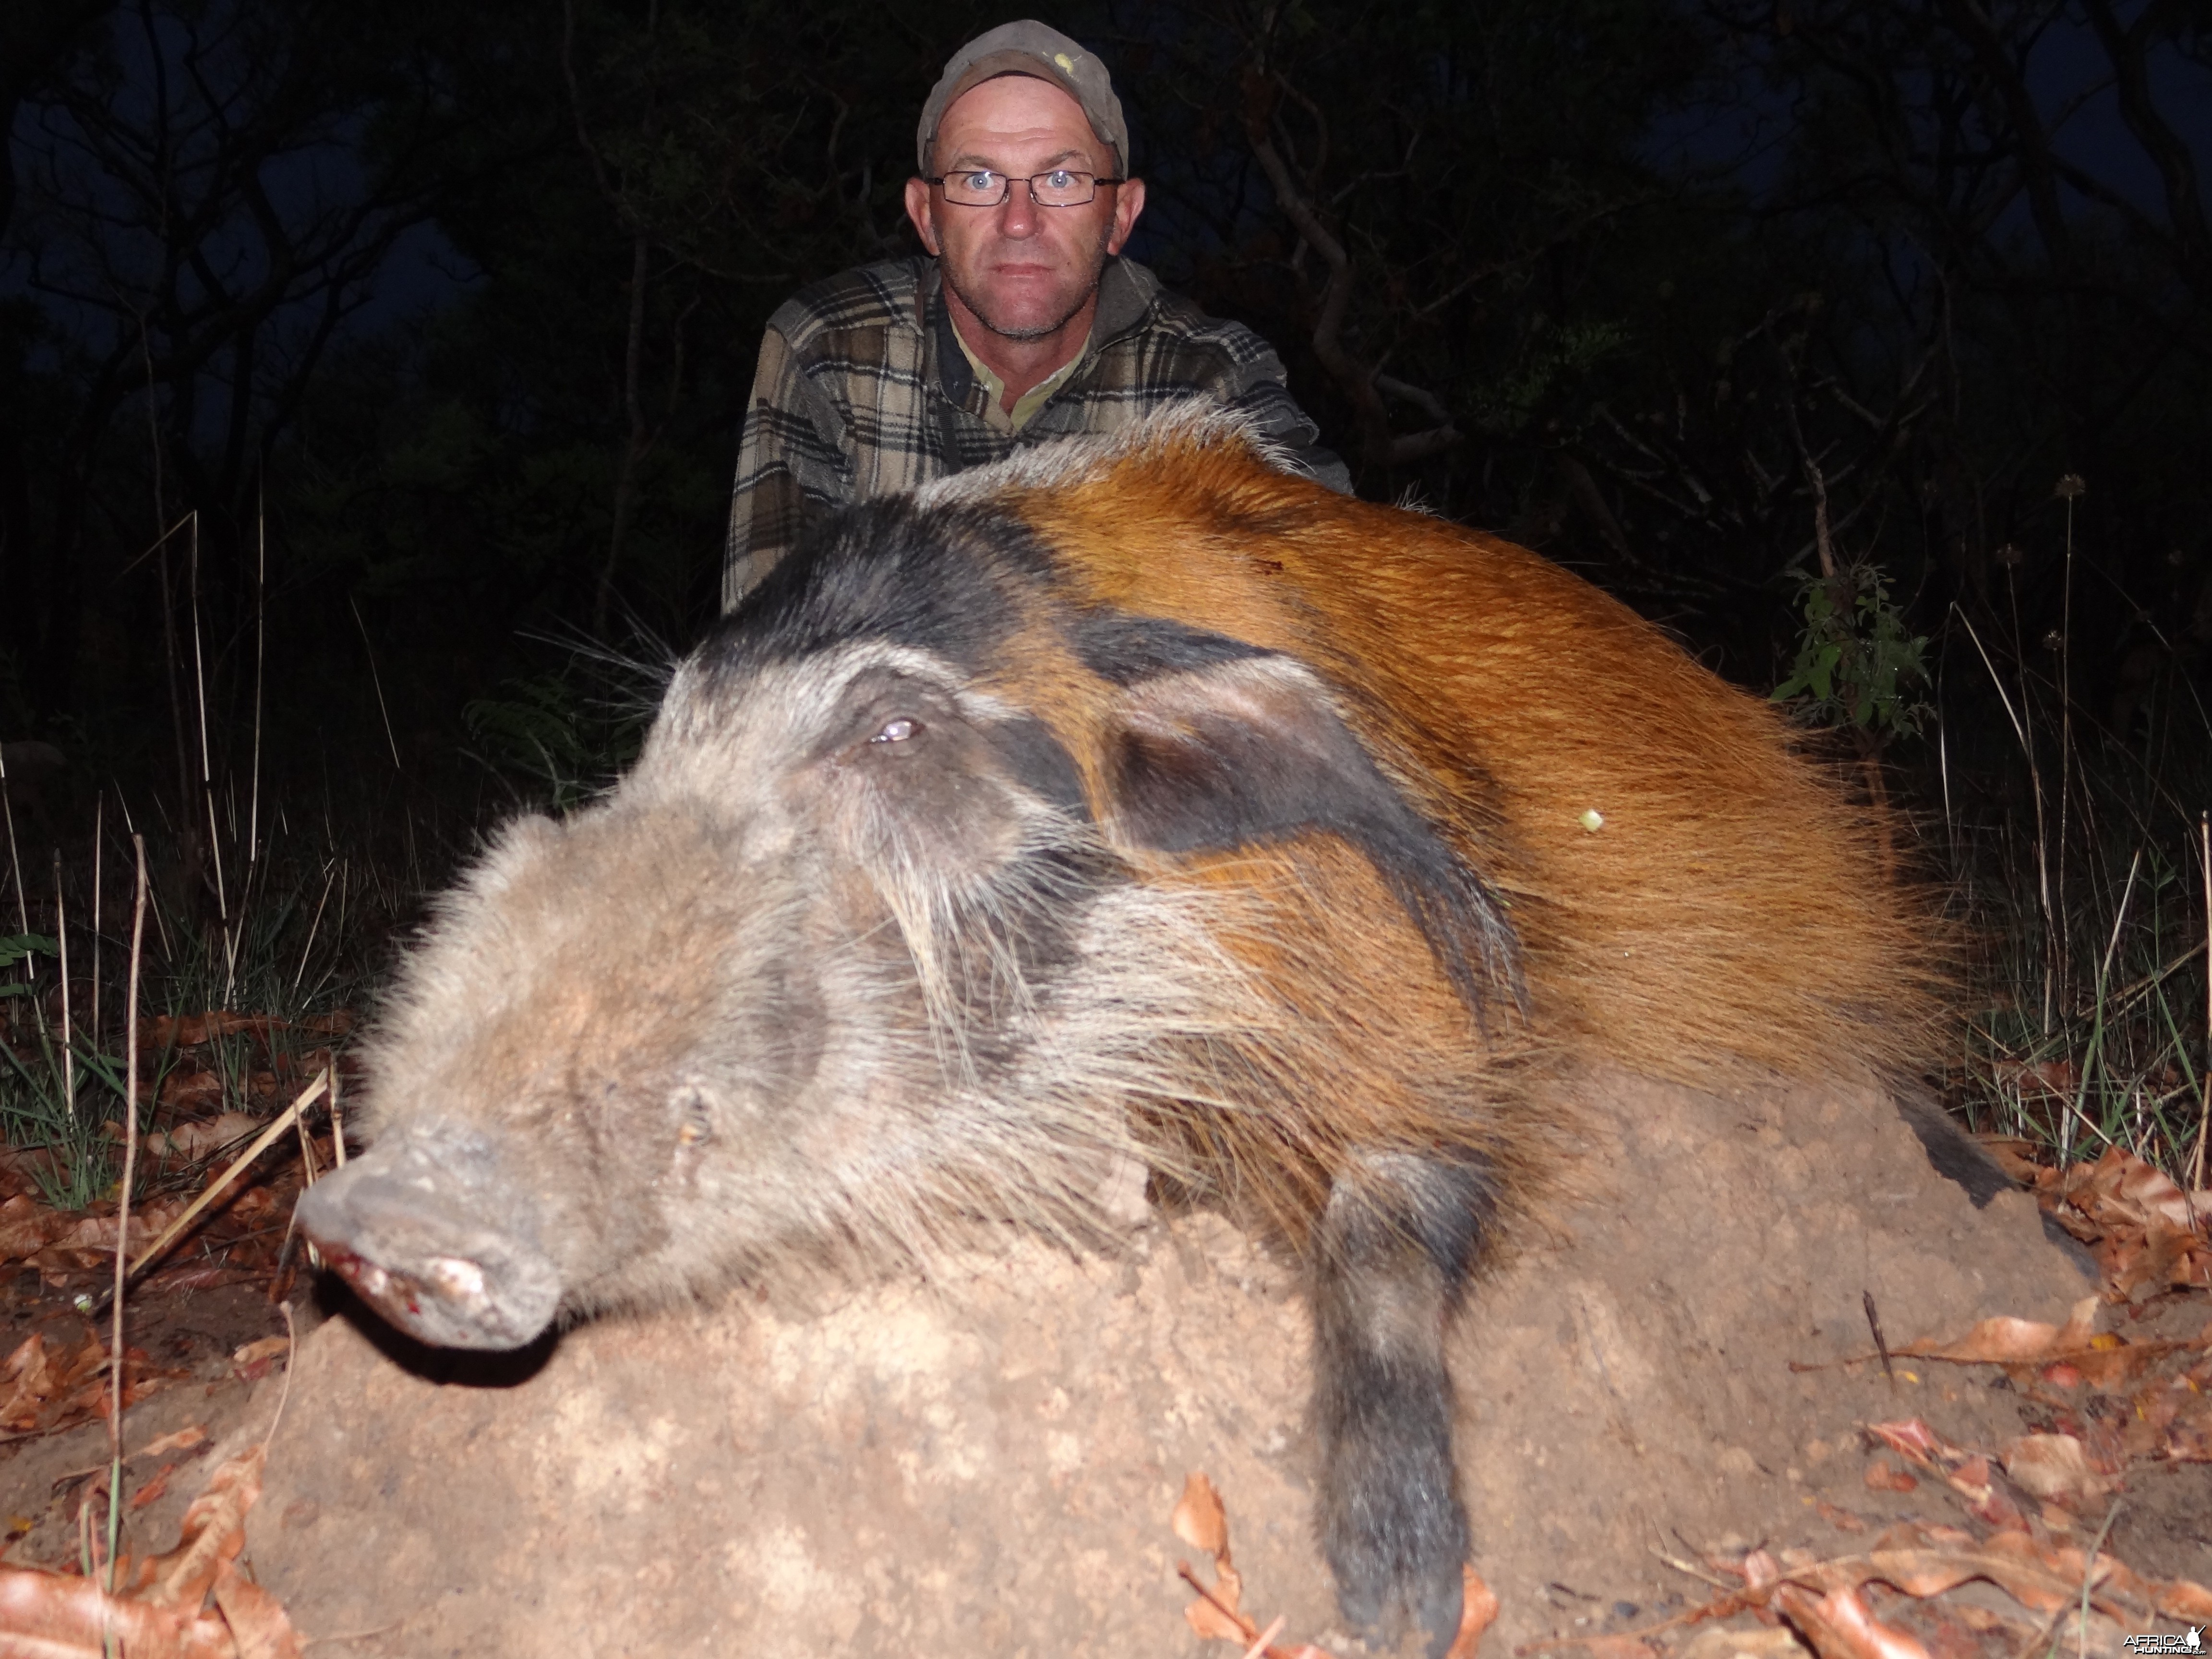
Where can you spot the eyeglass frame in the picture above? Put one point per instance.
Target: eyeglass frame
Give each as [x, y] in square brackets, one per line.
[1007, 196]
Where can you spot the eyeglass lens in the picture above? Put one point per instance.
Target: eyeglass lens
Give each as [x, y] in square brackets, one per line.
[1059, 188]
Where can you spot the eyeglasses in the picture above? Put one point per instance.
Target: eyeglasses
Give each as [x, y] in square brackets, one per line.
[984, 188]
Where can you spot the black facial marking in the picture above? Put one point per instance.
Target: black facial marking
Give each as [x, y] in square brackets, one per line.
[938, 578]
[1122, 649]
[1211, 765]
[1037, 761]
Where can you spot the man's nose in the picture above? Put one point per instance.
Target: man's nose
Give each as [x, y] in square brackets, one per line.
[1020, 215]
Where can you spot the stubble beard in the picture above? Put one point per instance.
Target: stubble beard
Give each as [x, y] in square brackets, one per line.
[978, 309]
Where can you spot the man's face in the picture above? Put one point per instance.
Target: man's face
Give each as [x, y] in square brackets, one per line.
[1024, 270]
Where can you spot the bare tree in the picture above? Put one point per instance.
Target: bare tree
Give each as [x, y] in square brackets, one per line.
[210, 192]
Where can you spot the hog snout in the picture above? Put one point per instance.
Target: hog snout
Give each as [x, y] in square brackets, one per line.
[414, 1230]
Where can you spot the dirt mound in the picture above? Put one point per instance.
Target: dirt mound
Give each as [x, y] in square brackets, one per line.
[989, 1466]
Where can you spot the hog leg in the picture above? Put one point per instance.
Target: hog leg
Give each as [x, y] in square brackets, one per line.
[1397, 1242]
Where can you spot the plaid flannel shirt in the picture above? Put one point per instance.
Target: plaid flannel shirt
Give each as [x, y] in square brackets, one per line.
[863, 389]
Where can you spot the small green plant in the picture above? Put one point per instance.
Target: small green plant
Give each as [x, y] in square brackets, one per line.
[277, 987]
[1857, 660]
[15, 948]
[37, 1111]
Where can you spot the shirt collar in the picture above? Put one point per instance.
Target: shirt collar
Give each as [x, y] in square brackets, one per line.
[994, 389]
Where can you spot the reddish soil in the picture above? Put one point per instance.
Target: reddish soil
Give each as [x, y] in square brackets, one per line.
[987, 1466]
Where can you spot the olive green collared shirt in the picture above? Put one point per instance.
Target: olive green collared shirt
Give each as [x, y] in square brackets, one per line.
[995, 415]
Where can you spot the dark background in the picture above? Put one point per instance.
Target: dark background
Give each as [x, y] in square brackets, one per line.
[357, 360]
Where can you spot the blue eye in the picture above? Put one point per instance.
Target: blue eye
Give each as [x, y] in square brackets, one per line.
[980, 183]
[1060, 178]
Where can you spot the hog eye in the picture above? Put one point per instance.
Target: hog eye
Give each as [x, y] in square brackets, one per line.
[896, 731]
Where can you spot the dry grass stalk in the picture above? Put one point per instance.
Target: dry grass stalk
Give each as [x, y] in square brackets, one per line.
[261, 1142]
[122, 1212]
[2204, 1079]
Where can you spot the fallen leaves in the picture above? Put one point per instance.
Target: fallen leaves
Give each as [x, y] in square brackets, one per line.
[201, 1139]
[2054, 1466]
[2147, 1234]
[253, 1361]
[1201, 1521]
[2097, 1403]
[2148, 1402]
[190, 1031]
[1888, 1477]
[43, 1389]
[61, 1243]
[1832, 1605]
[1840, 1626]
[242, 1233]
[159, 1609]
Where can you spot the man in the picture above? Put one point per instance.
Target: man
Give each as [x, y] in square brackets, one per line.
[1023, 325]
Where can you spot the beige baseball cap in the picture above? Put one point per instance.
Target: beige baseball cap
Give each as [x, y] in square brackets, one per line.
[1029, 48]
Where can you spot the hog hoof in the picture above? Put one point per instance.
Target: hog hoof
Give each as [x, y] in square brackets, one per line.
[1404, 1554]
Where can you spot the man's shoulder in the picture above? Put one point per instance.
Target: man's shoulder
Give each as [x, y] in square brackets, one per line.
[867, 297]
[1135, 305]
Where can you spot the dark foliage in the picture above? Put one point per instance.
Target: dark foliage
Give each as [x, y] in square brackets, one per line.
[347, 352]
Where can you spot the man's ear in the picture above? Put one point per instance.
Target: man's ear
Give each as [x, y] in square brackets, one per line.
[1128, 203]
[919, 211]
[1250, 749]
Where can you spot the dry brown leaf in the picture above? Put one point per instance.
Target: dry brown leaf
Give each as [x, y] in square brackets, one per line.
[1914, 1439]
[1198, 1519]
[1975, 1481]
[1838, 1625]
[1211, 1623]
[1229, 1586]
[1478, 1612]
[257, 1619]
[1967, 1474]
[189, 1092]
[2005, 1341]
[1881, 1476]
[2053, 1466]
[184, 1439]
[2053, 1077]
[157, 1614]
[1926, 1572]
[1202, 1521]
[30, 1377]
[213, 1533]
[200, 1139]
[26, 1226]
[190, 1031]
[1759, 1643]
[2183, 1599]
[2120, 1185]
[152, 1491]
[268, 1347]
[1761, 1571]
[1841, 1519]
[60, 1616]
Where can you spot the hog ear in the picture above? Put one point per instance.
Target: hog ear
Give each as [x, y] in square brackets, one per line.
[1250, 750]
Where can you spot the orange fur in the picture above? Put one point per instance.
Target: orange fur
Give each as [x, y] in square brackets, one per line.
[1733, 907]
